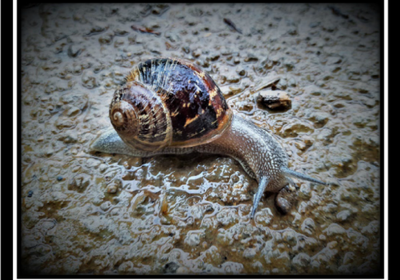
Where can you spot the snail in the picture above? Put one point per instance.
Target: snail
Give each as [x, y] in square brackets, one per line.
[171, 106]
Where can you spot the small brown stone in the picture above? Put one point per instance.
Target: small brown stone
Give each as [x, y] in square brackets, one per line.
[285, 199]
[112, 188]
[274, 99]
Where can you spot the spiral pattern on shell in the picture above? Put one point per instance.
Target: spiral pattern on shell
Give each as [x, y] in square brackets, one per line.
[140, 117]
[168, 102]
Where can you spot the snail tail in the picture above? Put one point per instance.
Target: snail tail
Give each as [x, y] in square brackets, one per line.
[292, 173]
[261, 187]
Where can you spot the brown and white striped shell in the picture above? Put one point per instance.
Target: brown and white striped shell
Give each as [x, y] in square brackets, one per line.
[168, 102]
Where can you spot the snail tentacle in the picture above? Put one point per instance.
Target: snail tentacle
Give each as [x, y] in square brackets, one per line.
[292, 173]
[257, 197]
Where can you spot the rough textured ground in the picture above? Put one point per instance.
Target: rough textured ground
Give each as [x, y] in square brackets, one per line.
[88, 213]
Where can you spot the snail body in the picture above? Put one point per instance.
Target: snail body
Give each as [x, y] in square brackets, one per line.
[171, 106]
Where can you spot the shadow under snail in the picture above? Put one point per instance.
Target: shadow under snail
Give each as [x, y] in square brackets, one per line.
[171, 106]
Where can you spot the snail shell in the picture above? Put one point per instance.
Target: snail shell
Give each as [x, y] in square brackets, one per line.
[168, 102]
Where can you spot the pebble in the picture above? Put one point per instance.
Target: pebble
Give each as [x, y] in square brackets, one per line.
[171, 267]
[241, 72]
[274, 99]
[112, 188]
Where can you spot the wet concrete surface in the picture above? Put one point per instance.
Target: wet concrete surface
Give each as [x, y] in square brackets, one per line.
[87, 213]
